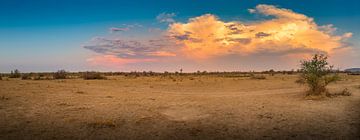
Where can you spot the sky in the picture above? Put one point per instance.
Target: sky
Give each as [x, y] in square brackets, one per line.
[163, 35]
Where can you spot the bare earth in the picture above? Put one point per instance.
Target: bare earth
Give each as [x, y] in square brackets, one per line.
[182, 107]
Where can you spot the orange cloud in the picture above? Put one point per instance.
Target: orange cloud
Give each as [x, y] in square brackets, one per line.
[287, 32]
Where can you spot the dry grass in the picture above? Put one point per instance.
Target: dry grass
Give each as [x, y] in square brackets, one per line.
[154, 107]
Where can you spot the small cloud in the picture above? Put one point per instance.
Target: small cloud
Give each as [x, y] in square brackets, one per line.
[166, 17]
[125, 27]
[115, 29]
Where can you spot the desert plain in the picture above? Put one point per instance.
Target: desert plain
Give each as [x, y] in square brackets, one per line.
[180, 107]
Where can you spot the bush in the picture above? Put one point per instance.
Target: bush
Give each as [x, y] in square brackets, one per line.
[257, 77]
[92, 76]
[15, 74]
[344, 92]
[60, 74]
[25, 76]
[317, 74]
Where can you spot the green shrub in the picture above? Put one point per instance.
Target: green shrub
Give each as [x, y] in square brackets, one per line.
[317, 74]
[60, 74]
[92, 76]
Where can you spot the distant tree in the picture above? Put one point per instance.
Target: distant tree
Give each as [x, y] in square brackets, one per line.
[60, 74]
[317, 74]
[271, 72]
[15, 74]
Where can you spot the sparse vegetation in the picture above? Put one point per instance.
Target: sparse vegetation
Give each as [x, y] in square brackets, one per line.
[344, 92]
[271, 72]
[26, 76]
[317, 74]
[60, 74]
[92, 75]
[257, 77]
[15, 74]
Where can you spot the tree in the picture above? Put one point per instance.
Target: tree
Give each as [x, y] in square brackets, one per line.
[15, 74]
[271, 72]
[317, 74]
[60, 74]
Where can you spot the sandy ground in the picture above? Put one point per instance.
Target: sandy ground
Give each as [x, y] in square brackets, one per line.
[182, 107]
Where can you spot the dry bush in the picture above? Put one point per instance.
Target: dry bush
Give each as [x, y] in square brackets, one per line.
[0, 77]
[60, 74]
[257, 77]
[344, 92]
[317, 74]
[37, 77]
[25, 76]
[92, 76]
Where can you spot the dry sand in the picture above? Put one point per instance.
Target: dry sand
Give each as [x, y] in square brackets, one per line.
[189, 107]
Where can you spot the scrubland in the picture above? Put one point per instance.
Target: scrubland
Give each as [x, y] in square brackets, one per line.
[182, 107]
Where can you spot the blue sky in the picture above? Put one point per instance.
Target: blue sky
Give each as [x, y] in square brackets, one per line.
[47, 35]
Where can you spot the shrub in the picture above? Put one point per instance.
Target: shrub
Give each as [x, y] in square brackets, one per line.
[60, 74]
[25, 76]
[257, 77]
[344, 92]
[271, 72]
[15, 74]
[317, 74]
[92, 75]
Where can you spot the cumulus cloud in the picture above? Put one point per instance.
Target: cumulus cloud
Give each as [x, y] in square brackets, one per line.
[208, 36]
[286, 34]
[166, 17]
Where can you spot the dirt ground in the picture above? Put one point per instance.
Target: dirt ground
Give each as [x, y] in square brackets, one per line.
[177, 108]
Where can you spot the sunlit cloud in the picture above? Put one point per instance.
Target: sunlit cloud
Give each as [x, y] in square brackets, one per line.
[287, 32]
[282, 33]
